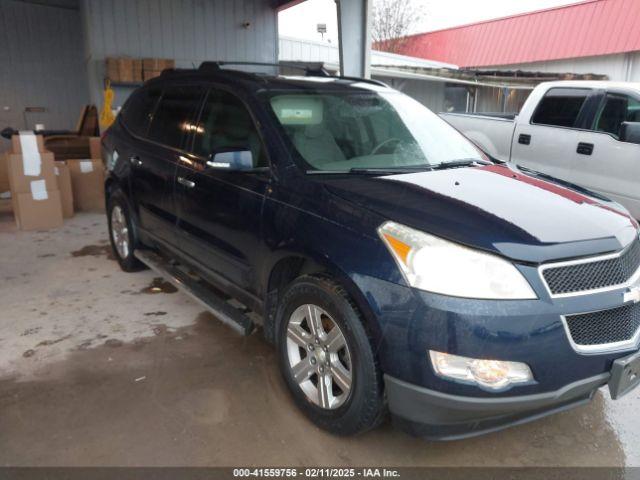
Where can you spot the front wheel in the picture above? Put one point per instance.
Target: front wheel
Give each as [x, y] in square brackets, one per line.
[326, 357]
[121, 233]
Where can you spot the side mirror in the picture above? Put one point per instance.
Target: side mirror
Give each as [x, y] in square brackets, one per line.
[232, 160]
[630, 132]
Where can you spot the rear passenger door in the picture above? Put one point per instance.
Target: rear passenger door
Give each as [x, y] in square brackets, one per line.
[154, 162]
[220, 212]
[548, 142]
[605, 164]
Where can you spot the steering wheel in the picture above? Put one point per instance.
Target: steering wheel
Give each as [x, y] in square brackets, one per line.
[385, 143]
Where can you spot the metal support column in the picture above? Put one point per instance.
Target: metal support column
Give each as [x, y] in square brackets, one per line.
[354, 37]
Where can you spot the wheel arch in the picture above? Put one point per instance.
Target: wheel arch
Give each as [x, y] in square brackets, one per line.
[291, 265]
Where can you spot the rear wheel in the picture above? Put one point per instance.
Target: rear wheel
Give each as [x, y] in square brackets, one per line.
[121, 233]
[326, 357]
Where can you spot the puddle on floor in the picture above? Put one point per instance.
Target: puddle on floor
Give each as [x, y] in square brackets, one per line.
[94, 251]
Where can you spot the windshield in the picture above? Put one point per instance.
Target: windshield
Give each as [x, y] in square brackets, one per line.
[360, 130]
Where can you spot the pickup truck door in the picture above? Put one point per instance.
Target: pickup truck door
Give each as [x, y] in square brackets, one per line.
[601, 162]
[220, 212]
[547, 141]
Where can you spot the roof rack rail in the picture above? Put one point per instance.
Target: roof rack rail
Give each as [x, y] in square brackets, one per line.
[363, 80]
[315, 69]
[215, 65]
[311, 70]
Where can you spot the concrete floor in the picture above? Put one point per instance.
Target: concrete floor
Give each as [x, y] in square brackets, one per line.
[101, 367]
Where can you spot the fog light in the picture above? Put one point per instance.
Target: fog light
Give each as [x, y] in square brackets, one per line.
[491, 374]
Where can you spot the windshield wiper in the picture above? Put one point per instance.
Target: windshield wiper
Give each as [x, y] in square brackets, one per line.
[467, 162]
[406, 169]
[389, 170]
[372, 170]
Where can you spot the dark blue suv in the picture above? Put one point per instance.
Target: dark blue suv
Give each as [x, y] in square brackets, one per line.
[394, 265]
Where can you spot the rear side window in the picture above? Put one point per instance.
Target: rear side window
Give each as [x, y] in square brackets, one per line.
[139, 108]
[172, 120]
[560, 107]
[617, 108]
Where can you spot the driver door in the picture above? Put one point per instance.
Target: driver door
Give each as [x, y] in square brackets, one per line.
[220, 212]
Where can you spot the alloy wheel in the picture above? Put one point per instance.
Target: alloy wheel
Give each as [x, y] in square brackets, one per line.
[120, 231]
[319, 357]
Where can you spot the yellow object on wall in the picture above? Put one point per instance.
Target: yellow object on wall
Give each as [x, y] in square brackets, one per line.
[106, 115]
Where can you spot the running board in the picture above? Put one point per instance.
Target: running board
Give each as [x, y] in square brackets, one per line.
[195, 289]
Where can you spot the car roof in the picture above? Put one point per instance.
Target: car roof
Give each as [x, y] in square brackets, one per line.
[599, 84]
[314, 80]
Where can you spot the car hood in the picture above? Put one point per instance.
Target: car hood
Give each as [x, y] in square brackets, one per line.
[497, 208]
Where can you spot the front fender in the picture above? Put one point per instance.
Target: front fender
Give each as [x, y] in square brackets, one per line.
[340, 243]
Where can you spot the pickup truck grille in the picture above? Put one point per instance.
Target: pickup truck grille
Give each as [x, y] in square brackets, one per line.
[585, 276]
[604, 328]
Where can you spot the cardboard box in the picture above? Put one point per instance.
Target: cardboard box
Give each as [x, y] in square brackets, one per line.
[137, 70]
[95, 148]
[5, 206]
[111, 67]
[63, 175]
[125, 69]
[149, 74]
[17, 142]
[151, 64]
[87, 181]
[20, 181]
[34, 214]
[158, 64]
[4, 173]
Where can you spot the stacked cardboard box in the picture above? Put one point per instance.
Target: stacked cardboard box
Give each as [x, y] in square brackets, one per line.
[152, 67]
[123, 69]
[87, 179]
[35, 197]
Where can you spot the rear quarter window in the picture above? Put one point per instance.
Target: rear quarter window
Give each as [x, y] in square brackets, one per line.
[560, 107]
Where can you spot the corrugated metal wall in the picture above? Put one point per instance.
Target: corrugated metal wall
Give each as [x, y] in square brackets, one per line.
[41, 58]
[189, 31]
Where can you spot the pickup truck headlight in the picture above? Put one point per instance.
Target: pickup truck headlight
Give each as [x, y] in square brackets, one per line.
[489, 374]
[439, 266]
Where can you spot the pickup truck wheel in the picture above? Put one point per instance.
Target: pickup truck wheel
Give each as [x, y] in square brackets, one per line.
[121, 233]
[326, 357]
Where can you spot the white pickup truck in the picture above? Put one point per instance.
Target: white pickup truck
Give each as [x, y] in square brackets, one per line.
[583, 132]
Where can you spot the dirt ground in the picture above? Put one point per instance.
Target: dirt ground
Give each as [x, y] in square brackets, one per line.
[99, 367]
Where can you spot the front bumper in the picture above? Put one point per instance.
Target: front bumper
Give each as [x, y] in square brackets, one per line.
[408, 323]
[440, 416]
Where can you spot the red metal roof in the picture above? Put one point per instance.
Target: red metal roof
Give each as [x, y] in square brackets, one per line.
[595, 27]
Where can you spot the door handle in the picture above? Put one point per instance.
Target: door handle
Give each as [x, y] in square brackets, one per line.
[186, 183]
[585, 148]
[135, 160]
[524, 139]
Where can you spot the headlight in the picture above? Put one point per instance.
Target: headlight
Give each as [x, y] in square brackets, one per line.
[436, 265]
[490, 374]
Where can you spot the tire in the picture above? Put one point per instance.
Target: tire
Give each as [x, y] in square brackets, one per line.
[122, 233]
[339, 406]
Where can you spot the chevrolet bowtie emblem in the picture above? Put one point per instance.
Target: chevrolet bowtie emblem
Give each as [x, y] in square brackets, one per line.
[632, 295]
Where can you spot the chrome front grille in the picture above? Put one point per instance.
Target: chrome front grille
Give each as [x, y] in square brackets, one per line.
[606, 329]
[582, 276]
